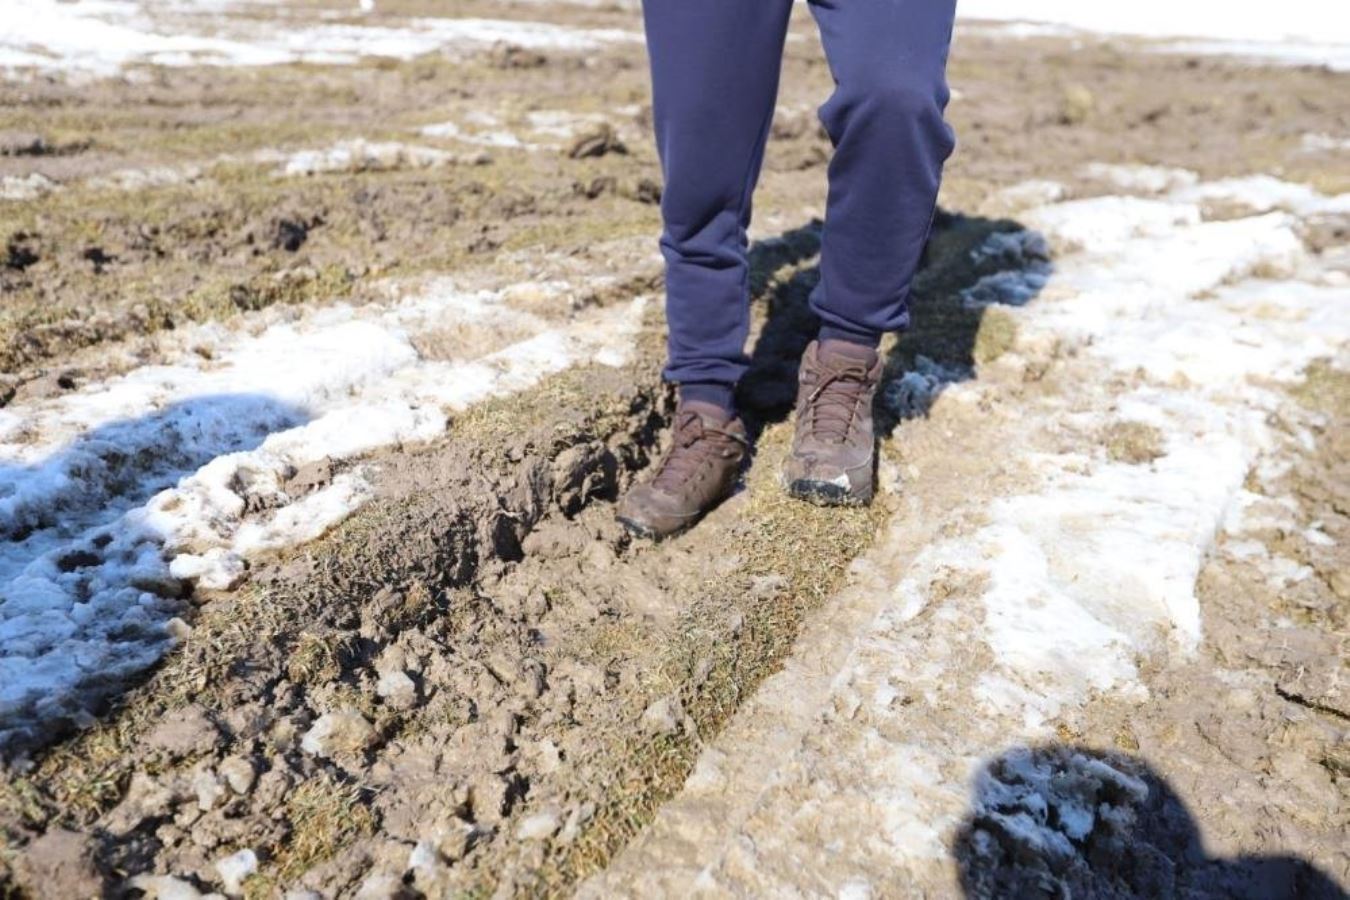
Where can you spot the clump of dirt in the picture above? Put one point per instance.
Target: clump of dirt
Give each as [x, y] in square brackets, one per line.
[1132, 442]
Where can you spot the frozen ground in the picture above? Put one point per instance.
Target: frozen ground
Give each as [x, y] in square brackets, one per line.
[833, 780]
[115, 498]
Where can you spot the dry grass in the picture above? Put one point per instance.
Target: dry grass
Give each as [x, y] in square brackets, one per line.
[1136, 443]
[1324, 388]
[325, 818]
[996, 336]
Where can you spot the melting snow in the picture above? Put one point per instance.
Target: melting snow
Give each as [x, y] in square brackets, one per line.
[114, 495]
[1300, 32]
[353, 155]
[99, 37]
[1084, 570]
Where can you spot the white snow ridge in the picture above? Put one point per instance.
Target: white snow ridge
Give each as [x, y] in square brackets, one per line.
[118, 497]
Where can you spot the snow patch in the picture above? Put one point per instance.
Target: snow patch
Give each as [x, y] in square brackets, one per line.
[1324, 143]
[1263, 193]
[1302, 32]
[358, 156]
[99, 37]
[1142, 179]
[1023, 261]
[118, 497]
[26, 187]
[1091, 568]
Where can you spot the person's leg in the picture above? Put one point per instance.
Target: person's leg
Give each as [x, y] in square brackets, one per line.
[888, 59]
[715, 67]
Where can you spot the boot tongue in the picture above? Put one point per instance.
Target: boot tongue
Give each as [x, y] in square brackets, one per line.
[841, 384]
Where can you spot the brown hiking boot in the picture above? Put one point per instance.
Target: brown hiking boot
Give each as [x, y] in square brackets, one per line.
[834, 450]
[697, 472]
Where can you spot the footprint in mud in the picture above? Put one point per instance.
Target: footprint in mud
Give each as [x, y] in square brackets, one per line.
[1063, 821]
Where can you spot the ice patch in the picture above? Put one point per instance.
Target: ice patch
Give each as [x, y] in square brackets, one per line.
[118, 497]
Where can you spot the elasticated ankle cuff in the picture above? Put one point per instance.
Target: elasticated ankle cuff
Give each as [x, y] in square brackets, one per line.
[869, 339]
[720, 395]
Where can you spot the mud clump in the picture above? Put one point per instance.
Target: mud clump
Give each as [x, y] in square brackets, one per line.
[1136, 443]
[21, 251]
[600, 141]
[505, 55]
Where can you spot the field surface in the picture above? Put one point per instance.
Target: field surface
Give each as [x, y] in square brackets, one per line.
[330, 333]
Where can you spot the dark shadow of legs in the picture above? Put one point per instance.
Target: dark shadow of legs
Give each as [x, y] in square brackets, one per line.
[971, 265]
[1059, 821]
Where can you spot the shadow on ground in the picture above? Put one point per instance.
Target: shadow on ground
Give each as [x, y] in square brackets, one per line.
[971, 266]
[84, 594]
[1061, 821]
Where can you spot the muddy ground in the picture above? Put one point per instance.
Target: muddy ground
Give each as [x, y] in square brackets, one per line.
[478, 685]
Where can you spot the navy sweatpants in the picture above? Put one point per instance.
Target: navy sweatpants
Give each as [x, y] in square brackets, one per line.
[715, 67]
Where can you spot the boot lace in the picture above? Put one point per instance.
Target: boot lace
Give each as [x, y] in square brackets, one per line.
[695, 443]
[833, 403]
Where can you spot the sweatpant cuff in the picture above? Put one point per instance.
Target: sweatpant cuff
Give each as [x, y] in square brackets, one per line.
[863, 338]
[722, 395]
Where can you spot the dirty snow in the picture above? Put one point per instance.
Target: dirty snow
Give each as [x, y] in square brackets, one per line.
[99, 37]
[1301, 32]
[113, 495]
[537, 130]
[26, 187]
[357, 155]
[346, 156]
[1064, 585]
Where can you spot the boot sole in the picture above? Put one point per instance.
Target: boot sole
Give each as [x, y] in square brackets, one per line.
[825, 493]
[647, 533]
